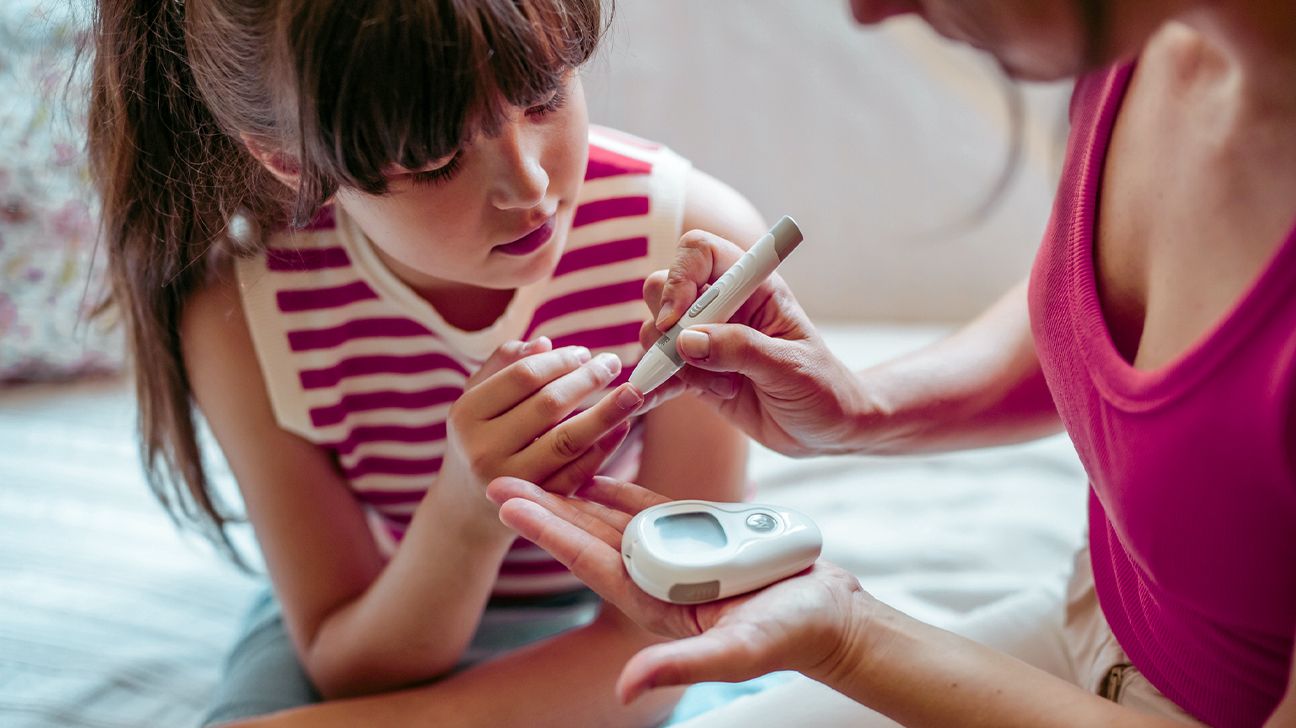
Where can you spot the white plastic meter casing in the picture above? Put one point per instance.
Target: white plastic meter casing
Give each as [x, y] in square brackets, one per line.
[694, 551]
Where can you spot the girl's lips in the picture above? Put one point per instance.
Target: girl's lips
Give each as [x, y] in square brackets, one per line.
[530, 242]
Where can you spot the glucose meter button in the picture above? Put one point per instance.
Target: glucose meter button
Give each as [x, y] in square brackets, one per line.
[762, 522]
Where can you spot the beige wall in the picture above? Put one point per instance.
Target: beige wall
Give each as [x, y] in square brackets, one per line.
[878, 141]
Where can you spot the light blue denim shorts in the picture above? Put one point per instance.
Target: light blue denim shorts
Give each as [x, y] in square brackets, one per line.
[262, 673]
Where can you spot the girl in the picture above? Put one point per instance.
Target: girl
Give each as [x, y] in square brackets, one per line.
[381, 249]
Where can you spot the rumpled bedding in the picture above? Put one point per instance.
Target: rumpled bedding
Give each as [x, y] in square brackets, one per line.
[109, 617]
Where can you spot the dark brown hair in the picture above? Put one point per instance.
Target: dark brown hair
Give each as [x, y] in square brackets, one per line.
[340, 88]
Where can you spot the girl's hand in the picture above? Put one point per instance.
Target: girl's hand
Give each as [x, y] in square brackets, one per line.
[806, 623]
[768, 371]
[513, 419]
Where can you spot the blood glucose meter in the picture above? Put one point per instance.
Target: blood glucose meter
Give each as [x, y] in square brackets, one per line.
[693, 551]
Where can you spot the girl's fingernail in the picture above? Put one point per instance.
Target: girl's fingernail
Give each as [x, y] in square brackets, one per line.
[629, 398]
[695, 345]
[582, 354]
[609, 361]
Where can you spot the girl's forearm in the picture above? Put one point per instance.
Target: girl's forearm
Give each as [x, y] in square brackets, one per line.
[567, 680]
[415, 620]
[920, 675]
[982, 386]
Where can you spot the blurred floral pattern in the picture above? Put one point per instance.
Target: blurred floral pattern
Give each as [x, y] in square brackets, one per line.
[51, 274]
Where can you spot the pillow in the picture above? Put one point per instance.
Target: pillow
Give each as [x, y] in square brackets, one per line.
[50, 275]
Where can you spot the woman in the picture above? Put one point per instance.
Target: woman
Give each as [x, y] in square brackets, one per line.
[1158, 327]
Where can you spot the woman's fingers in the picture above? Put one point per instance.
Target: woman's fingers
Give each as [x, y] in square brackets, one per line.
[700, 259]
[602, 523]
[595, 561]
[620, 495]
[725, 348]
[653, 286]
[592, 559]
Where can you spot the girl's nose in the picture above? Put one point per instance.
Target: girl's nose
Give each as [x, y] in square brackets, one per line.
[521, 181]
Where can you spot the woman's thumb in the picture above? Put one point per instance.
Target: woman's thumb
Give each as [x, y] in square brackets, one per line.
[734, 348]
[710, 656]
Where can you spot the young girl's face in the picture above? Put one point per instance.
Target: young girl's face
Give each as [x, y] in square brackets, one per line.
[493, 214]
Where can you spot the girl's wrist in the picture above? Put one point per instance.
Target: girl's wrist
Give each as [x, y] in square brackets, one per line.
[466, 510]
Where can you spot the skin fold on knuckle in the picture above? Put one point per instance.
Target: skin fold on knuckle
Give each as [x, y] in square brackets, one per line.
[551, 404]
[460, 419]
[483, 461]
[578, 474]
[678, 282]
[564, 444]
[527, 374]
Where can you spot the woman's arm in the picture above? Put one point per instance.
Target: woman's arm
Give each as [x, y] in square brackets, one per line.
[771, 374]
[890, 662]
[919, 675]
[820, 623]
[359, 624]
[979, 387]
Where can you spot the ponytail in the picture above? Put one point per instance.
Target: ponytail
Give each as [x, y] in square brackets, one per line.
[170, 182]
[177, 87]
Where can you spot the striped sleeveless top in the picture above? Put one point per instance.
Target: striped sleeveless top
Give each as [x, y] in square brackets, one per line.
[358, 363]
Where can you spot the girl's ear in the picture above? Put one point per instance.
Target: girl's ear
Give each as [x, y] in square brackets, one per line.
[281, 165]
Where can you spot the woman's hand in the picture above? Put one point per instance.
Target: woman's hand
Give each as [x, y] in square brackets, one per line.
[768, 371]
[513, 419]
[803, 623]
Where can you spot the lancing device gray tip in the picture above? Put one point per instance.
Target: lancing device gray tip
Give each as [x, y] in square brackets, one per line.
[719, 302]
[786, 236]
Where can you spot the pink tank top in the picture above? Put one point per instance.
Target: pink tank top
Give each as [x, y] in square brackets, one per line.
[1192, 467]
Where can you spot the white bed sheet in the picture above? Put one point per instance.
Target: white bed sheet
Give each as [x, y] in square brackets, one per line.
[109, 617]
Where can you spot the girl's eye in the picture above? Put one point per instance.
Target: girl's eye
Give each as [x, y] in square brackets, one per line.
[554, 103]
[438, 175]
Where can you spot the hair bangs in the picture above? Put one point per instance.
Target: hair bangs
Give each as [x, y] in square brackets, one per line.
[407, 82]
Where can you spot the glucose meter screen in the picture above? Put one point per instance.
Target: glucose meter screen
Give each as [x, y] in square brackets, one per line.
[690, 531]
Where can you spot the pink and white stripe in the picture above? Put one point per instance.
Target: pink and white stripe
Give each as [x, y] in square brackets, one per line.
[358, 369]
